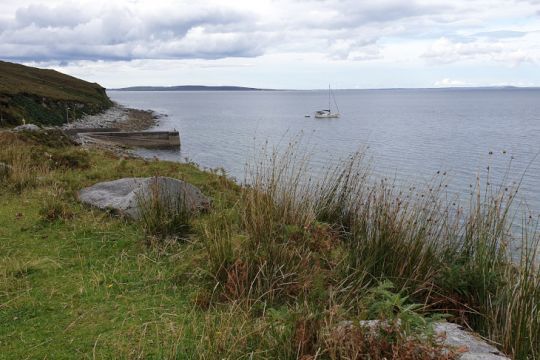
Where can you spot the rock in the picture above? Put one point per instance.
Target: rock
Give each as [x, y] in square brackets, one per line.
[454, 337]
[478, 349]
[27, 127]
[125, 195]
[478, 356]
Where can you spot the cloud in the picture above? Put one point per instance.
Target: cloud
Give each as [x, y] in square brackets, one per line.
[135, 29]
[338, 30]
[501, 34]
[446, 82]
[357, 50]
[446, 51]
[44, 16]
[123, 32]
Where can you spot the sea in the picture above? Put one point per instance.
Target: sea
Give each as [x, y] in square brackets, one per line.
[409, 136]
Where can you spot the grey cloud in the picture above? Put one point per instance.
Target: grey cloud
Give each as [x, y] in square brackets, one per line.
[353, 13]
[44, 33]
[128, 30]
[44, 16]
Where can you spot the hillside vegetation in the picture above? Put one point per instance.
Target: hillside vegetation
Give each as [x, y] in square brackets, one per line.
[46, 97]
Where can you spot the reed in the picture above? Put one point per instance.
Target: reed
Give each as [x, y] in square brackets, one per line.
[447, 258]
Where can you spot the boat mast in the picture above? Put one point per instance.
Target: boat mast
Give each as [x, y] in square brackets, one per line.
[335, 102]
[329, 108]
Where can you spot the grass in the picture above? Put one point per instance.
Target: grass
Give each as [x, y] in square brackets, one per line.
[349, 232]
[164, 215]
[45, 96]
[283, 267]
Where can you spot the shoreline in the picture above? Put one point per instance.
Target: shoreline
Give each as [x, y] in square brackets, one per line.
[120, 117]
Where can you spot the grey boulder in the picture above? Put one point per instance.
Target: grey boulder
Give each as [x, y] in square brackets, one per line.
[473, 347]
[476, 347]
[125, 196]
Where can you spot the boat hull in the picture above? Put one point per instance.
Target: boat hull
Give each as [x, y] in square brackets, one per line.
[326, 116]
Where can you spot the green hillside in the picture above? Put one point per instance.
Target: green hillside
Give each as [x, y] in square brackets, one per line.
[46, 97]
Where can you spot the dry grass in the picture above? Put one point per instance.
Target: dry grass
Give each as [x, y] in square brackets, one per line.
[23, 169]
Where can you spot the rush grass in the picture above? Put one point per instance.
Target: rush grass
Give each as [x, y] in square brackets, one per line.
[330, 241]
[275, 270]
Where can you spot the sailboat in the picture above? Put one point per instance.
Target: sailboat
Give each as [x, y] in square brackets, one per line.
[327, 113]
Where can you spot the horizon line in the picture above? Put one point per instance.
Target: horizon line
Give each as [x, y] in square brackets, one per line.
[251, 88]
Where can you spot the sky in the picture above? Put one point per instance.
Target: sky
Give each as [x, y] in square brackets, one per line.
[280, 44]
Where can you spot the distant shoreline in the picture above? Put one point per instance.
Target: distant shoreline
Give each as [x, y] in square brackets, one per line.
[189, 88]
[249, 89]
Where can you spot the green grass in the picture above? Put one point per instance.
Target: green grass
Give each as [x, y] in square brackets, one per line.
[41, 96]
[274, 270]
[88, 284]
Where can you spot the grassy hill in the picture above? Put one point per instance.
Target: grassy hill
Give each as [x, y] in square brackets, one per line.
[45, 96]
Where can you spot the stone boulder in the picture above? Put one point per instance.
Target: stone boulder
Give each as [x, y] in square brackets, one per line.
[477, 348]
[125, 196]
[471, 345]
[27, 127]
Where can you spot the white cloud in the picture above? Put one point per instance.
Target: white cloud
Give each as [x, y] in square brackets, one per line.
[486, 50]
[446, 82]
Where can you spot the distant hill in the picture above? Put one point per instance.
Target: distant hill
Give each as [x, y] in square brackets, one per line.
[43, 96]
[188, 88]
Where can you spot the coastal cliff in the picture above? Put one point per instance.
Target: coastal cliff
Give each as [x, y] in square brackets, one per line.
[47, 97]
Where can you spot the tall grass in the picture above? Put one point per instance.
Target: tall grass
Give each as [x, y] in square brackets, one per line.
[163, 215]
[20, 169]
[448, 258]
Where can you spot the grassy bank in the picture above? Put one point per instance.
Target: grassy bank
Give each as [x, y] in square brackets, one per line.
[47, 97]
[284, 268]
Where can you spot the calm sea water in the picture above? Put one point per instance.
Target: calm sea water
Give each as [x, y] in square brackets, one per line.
[411, 134]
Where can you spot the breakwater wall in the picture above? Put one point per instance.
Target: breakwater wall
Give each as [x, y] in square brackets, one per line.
[149, 139]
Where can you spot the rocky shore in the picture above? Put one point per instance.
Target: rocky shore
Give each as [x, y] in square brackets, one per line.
[118, 117]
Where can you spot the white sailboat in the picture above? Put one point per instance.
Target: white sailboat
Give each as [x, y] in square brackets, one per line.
[327, 113]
